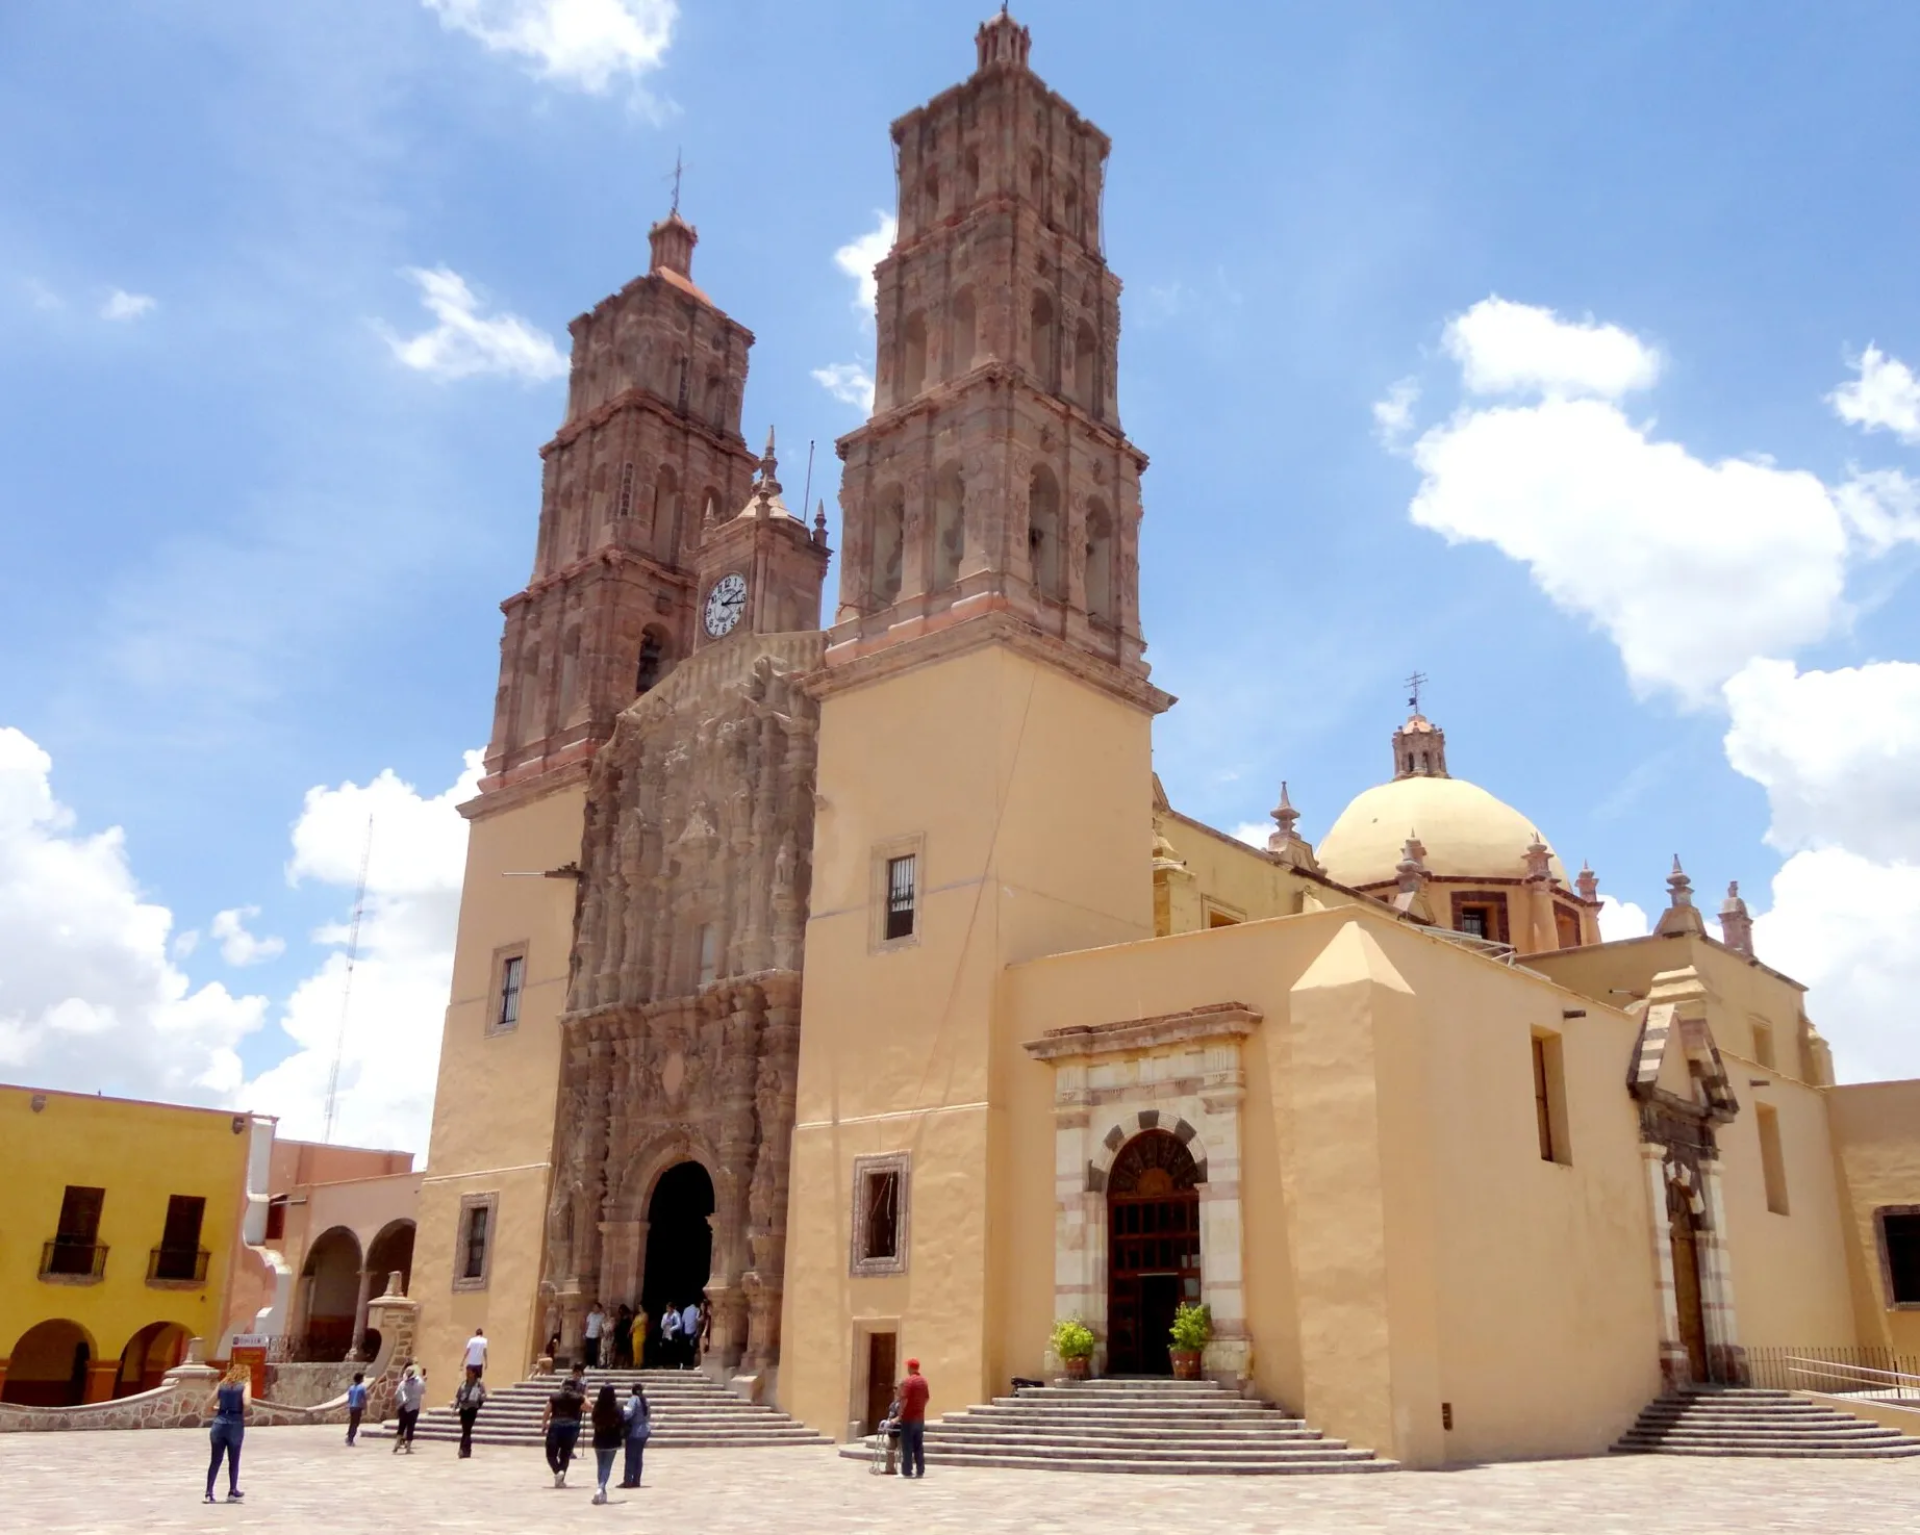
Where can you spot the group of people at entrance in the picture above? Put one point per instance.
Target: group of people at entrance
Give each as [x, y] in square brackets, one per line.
[616, 1426]
[675, 1340]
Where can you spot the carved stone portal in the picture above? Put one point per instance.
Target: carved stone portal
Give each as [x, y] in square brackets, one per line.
[682, 1028]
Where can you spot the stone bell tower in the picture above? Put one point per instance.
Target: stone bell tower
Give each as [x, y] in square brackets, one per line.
[993, 474]
[649, 451]
[984, 787]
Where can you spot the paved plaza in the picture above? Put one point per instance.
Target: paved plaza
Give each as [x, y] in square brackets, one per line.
[303, 1481]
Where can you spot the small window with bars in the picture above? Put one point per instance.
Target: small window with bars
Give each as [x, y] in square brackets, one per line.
[474, 1245]
[879, 1215]
[900, 897]
[511, 982]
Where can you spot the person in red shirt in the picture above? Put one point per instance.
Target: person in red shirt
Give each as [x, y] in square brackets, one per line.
[913, 1395]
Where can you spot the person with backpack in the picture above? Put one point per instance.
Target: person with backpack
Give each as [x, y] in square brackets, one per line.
[639, 1416]
[468, 1401]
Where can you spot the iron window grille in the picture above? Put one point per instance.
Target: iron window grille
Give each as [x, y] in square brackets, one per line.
[177, 1265]
[900, 897]
[65, 1259]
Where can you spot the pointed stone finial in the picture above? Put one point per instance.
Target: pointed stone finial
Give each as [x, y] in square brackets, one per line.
[1587, 883]
[1736, 922]
[1002, 43]
[769, 483]
[820, 523]
[1411, 901]
[1681, 915]
[1539, 860]
[1286, 843]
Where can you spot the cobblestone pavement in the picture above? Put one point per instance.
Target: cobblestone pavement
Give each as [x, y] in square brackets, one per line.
[304, 1481]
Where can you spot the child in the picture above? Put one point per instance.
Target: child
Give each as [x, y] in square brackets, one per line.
[356, 1404]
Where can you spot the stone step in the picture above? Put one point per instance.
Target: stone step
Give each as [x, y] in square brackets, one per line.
[1142, 1418]
[1749, 1422]
[1865, 1433]
[1032, 1460]
[1787, 1451]
[1212, 1433]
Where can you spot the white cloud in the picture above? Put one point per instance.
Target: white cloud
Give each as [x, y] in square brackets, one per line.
[238, 947]
[1885, 397]
[1691, 568]
[122, 305]
[390, 1049]
[859, 256]
[89, 998]
[579, 43]
[1837, 751]
[466, 343]
[1843, 924]
[1508, 348]
[1881, 508]
[1393, 415]
[1621, 919]
[1254, 833]
[847, 382]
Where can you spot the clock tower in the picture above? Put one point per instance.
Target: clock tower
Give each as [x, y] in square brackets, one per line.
[759, 570]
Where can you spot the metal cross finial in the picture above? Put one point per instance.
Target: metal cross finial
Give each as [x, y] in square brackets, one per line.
[1414, 684]
[678, 169]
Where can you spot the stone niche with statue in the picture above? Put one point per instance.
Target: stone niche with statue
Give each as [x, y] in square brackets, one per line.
[682, 1028]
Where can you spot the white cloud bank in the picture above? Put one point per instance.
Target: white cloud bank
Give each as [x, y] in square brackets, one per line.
[583, 44]
[93, 996]
[122, 305]
[1508, 348]
[850, 382]
[466, 343]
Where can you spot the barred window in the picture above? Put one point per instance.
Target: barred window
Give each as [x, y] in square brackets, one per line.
[883, 1216]
[900, 897]
[474, 1256]
[512, 977]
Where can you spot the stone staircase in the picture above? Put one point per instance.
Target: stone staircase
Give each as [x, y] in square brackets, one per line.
[1732, 1420]
[691, 1410]
[1196, 1428]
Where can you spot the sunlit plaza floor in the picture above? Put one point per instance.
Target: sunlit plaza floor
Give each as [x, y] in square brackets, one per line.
[305, 1480]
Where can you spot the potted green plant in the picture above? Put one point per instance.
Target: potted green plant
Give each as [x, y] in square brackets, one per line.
[1192, 1329]
[1073, 1345]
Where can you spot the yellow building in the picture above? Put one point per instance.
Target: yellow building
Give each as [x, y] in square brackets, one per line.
[867, 980]
[120, 1242]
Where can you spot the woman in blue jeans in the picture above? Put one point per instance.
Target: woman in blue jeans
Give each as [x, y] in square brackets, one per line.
[229, 1428]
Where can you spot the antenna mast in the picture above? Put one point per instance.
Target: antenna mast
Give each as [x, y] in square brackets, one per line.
[346, 991]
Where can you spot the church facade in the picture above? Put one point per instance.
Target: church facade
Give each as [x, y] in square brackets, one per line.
[863, 979]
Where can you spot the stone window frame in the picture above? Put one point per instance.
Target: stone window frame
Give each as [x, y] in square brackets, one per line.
[1880, 1215]
[496, 978]
[1459, 900]
[1229, 916]
[914, 846]
[490, 1202]
[899, 1163]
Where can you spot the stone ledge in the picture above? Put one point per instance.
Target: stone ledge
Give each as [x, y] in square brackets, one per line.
[1197, 1025]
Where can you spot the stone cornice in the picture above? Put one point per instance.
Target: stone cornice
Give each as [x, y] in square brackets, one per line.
[509, 792]
[639, 398]
[1197, 1025]
[601, 560]
[977, 632]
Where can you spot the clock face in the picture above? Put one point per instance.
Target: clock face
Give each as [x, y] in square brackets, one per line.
[725, 603]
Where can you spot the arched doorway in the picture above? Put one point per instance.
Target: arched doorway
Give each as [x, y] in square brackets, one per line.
[391, 1252]
[679, 1243]
[330, 1281]
[1153, 1250]
[1683, 1242]
[48, 1366]
[149, 1354]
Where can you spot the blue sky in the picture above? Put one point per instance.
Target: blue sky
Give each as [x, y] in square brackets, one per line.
[258, 503]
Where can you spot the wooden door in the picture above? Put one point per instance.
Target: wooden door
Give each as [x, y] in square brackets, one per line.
[880, 1376]
[1686, 1292]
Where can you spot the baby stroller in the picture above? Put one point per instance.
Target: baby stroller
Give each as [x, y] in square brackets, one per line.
[884, 1445]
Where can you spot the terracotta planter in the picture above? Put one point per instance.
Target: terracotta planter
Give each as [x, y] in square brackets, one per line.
[1077, 1369]
[1186, 1363]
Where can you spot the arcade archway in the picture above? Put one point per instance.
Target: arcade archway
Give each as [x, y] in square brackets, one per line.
[48, 1366]
[1153, 1250]
[679, 1242]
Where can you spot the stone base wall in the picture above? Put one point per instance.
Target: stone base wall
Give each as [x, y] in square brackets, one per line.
[310, 1385]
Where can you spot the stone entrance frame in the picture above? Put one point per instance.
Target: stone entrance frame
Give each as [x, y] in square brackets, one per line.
[1180, 1072]
[1679, 1147]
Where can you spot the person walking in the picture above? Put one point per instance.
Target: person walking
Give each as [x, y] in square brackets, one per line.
[639, 1416]
[609, 1433]
[623, 1339]
[596, 1324]
[913, 1395]
[468, 1401]
[476, 1355]
[670, 1337]
[229, 1428]
[561, 1424]
[356, 1405]
[407, 1397]
[690, 1335]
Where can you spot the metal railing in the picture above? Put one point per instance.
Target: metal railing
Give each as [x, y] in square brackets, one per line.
[177, 1265]
[1853, 1370]
[65, 1258]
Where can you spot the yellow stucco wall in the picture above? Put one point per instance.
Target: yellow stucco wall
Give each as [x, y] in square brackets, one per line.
[1405, 1245]
[1234, 880]
[1876, 1142]
[493, 1111]
[140, 1154]
[1032, 792]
